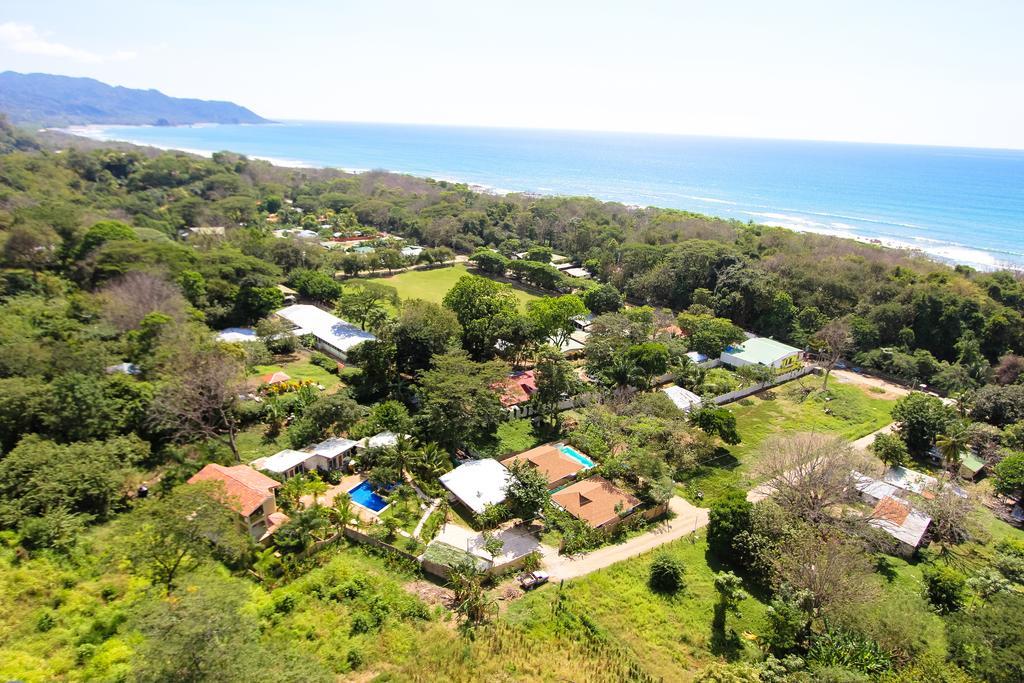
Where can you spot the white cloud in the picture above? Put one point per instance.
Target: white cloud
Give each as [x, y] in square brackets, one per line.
[25, 39]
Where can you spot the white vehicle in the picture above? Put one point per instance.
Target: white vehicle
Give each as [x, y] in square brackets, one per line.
[531, 580]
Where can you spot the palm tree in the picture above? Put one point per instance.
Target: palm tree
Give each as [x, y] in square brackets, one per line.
[433, 461]
[952, 445]
[341, 511]
[315, 486]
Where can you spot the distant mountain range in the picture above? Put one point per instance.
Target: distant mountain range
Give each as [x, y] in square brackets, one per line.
[49, 100]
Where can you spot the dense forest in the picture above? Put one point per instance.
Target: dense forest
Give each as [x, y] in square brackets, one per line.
[102, 579]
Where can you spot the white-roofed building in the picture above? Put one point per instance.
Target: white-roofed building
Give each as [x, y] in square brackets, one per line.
[696, 356]
[684, 399]
[330, 453]
[286, 463]
[333, 335]
[412, 251]
[237, 334]
[910, 480]
[870, 489]
[381, 440]
[478, 483]
[577, 272]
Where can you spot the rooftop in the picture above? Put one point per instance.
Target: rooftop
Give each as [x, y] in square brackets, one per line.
[282, 461]
[326, 327]
[245, 487]
[684, 399]
[900, 520]
[550, 460]
[517, 388]
[761, 350]
[595, 500]
[478, 483]
[333, 447]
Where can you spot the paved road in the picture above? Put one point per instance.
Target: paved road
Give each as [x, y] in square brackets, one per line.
[688, 518]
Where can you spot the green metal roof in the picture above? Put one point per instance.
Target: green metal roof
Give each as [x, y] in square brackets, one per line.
[972, 462]
[761, 350]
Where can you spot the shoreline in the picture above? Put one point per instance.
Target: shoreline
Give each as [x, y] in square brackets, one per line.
[945, 252]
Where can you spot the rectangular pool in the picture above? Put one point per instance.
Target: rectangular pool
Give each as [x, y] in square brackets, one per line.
[364, 495]
[577, 456]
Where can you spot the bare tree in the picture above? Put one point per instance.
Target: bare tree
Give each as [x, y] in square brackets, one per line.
[135, 295]
[951, 517]
[810, 474]
[199, 398]
[826, 570]
[832, 342]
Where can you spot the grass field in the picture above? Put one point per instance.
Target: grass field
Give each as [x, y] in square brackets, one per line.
[669, 636]
[854, 412]
[300, 369]
[432, 285]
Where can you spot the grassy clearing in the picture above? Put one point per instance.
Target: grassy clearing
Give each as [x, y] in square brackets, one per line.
[252, 443]
[516, 436]
[300, 369]
[432, 285]
[854, 413]
[669, 636]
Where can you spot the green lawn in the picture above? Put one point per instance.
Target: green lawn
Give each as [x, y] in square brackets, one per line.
[854, 413]
[252, 444]
[300, 369]
[668, 636]
[432, 285]
[516, 436]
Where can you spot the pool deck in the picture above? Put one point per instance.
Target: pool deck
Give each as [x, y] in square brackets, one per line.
[347, 484]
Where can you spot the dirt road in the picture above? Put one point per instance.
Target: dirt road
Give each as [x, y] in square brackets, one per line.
[688, 518]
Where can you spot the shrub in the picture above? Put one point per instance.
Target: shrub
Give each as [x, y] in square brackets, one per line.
[322, 360]
[729, 516]
[668, 574]
[836, 648]
[944, 588]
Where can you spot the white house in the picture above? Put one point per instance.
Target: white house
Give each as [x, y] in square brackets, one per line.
[762, 351]
[285, 464]
[334, 336]
[478, 483]
[684, 399]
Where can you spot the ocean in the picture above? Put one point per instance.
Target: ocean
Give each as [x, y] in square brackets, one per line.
[957, 205]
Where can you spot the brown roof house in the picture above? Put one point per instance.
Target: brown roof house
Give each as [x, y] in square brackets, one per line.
[596, 501]
[903, 522]
[552, 461]
[250, 494]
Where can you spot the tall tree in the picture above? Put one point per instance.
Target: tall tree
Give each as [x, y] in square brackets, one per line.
[167, 537]
[833, 341]
[554, 316]
[458, 404]
[485, 310]
[556, 381]
[198, 397]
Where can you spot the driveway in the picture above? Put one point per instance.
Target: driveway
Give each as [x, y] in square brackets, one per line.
[688, 518]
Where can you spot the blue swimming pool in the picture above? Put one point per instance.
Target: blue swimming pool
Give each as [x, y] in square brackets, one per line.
[577, 456]
[365, 495]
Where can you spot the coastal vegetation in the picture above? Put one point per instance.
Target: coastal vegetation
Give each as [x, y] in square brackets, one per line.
[121, 266]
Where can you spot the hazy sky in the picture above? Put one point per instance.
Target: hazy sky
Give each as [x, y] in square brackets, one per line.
[931, 72]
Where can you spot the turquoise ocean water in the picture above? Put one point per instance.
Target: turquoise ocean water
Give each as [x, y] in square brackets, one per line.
[956, 204]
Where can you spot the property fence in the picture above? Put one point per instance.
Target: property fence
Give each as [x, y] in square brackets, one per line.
[754, 388]
[360, 537]
[527, 409]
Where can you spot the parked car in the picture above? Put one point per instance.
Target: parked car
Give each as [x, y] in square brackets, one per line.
[531, 580]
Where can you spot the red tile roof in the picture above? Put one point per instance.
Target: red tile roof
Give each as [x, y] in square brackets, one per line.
[246, 488]
[517, 388]
[594, 500]
[553, 463]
